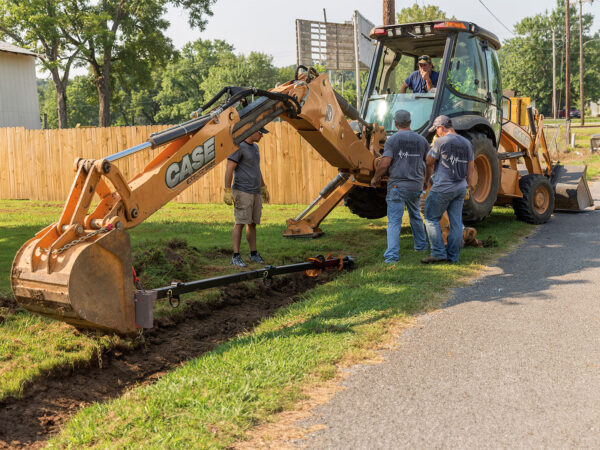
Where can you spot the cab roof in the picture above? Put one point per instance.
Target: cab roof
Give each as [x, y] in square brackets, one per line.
[431, 31]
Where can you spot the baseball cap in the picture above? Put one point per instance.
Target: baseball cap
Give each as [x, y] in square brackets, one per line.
[441, 121]
[401, 116]
[425, 58]
[263, 130]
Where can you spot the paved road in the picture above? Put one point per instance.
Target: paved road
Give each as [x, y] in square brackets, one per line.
[513, 361]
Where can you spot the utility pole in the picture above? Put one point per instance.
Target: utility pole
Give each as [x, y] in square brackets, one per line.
[567, 75]
[581, 99]
[553, 74]
[357, 60]
[389, 12]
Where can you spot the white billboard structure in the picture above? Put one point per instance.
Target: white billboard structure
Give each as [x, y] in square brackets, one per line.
[337, 46]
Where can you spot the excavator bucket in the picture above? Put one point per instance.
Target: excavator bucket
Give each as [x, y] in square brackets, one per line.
[89, 285]
[571, 190]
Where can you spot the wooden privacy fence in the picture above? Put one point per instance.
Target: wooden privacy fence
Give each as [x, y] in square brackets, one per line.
[38, 164]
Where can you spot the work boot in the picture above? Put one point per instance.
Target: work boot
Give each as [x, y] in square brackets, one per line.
[237, 260]
[432, 260]
[256, 258]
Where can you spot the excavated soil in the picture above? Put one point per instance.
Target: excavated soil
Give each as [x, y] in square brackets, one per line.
[49, 402]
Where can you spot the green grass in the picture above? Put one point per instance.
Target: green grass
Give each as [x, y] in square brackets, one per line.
[214, 400]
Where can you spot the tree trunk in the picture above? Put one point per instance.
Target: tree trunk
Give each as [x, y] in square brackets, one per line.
[103, 87]
[61, 99]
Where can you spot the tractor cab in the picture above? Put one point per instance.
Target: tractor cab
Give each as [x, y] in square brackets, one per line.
[468, 86]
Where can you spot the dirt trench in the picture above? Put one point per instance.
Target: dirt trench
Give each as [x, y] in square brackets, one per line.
[50, 401]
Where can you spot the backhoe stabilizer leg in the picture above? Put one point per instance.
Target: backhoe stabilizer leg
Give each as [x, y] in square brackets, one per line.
[307, 225]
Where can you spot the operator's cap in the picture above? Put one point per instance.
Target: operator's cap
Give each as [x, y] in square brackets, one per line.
[425, 58]
[263, 130]
[402, 116]
[441, 121]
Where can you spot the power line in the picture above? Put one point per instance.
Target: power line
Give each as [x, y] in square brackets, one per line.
[499, 21]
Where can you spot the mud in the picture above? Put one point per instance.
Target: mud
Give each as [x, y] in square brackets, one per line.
[51, 400]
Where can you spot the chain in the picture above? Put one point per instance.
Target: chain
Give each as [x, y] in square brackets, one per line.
[56, 251]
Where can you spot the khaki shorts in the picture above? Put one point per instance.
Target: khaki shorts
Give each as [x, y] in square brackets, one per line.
[247, 207]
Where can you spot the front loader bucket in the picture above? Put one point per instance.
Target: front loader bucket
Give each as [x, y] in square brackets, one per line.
[571, 190]
[89, 285]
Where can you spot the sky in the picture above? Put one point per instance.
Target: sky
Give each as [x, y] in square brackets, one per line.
[269, 26]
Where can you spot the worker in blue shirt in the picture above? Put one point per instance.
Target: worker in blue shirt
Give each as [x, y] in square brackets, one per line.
[422, 80]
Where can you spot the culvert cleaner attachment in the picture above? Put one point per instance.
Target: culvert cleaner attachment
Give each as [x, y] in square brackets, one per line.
[313, 267]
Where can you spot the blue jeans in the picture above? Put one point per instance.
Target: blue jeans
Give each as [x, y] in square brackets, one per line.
[396, 199]
[435, 205]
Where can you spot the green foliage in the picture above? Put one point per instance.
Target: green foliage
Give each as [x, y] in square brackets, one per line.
[38, 25]
[121, 41]
[180, 91]
[417, 13]
[169, 94]
[254, 70]
[83, 102]
[526, 60]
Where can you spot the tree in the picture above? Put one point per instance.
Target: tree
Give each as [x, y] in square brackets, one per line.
[206, 67]
[125, 35]
[36, 25]
[83, 103]
[255, 70]
[526, 59]
[416, 13]
[181, 90]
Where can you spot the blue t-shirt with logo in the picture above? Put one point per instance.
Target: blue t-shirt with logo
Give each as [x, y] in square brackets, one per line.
[416, 82]
[407, 169]
[453, 154]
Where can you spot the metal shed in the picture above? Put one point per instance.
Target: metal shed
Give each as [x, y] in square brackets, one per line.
[19, 106]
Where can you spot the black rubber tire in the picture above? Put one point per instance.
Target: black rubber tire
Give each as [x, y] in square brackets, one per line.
[525, 208]
[478, 208]
[368, 203]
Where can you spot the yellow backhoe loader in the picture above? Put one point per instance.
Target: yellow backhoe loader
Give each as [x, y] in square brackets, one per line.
[79, 269]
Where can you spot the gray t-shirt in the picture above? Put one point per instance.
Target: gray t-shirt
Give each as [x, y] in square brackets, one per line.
[246, 175]
[453, 153]
[407, 169]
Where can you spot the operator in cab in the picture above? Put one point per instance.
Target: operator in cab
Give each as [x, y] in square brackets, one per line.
[422, 80]
[247, 195]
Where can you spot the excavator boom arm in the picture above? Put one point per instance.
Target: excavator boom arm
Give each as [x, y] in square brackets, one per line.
[79, 269]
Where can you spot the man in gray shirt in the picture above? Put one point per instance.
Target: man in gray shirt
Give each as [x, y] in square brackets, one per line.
[452, 159]
[404, 157]
[247, 195]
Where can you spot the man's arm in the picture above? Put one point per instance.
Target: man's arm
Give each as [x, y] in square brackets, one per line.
[428, 82]
[425, 74]
[403, 88]
[429, 167]
[231, 165]
[471, 174]
[382, 168]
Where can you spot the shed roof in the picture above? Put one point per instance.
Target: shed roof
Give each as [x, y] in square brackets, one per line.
[9, 48]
